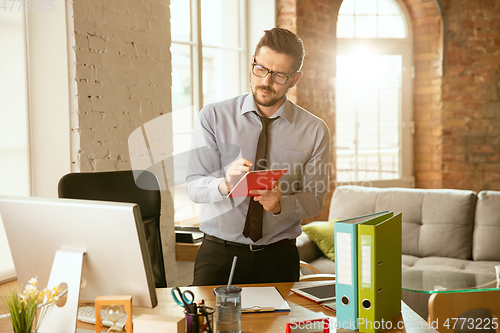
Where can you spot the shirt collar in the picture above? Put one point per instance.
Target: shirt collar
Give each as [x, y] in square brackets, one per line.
[284, 111]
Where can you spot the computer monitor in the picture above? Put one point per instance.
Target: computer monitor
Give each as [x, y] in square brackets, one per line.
[111, 235]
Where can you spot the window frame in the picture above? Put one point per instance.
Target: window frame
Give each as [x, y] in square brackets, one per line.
[403, 47]
[197, 45]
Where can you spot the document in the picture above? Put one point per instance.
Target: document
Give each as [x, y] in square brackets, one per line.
[379, 272]
[262, 299]
[256, 180]
[346, 267]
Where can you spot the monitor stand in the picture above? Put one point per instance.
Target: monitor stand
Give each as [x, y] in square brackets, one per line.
[67, 268]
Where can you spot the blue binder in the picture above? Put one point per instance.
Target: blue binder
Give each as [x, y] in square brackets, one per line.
[346, 267]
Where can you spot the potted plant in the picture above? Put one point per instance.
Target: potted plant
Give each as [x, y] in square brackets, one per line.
[28, 308]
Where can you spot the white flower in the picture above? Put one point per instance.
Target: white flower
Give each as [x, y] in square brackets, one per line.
[33, 281]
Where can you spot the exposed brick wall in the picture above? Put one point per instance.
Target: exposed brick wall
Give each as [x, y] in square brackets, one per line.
[286, 18]
[123, 80]
[471, 94]
[427, 108]
[315, 22]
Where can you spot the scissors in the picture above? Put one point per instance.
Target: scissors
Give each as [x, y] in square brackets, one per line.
[184, 299]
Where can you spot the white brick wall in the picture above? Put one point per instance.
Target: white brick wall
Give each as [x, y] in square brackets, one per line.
[123, 76]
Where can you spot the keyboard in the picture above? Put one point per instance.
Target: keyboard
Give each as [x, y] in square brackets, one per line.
[87, 315]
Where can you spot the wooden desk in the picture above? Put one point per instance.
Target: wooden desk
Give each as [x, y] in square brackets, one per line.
[302, 309]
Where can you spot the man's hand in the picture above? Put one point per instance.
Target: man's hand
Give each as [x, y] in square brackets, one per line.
[234, 174]
[269, 199]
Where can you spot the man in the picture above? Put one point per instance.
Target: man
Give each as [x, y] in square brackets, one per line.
[229, 136]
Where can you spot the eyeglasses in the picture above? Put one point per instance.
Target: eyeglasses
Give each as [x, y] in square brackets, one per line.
[261, 71]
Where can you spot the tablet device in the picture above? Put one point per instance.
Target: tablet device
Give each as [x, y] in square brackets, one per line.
[318, 294]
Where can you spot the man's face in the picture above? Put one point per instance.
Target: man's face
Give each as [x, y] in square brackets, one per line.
[265, 91]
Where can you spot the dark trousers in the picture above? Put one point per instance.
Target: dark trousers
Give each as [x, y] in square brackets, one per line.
[214, 260]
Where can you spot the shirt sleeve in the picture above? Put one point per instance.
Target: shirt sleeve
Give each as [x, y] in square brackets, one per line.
[204, 166]
[308, 200]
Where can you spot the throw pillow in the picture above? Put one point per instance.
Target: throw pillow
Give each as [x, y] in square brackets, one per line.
[321, 233]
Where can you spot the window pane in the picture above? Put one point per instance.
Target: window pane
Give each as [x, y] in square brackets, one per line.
[183, 117]
[347, 7]
[391, 27]
[220, 23]
[388, 7]
[14, 149]
[363, 7]
[180, 19]
[181, 76]
[366, 26]
[221, 74]
[345, 26]
[368, 110]
[346, 134]
[371, 19]
[183, 120]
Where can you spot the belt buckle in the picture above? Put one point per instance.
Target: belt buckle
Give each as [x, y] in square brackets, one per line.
[255, 250]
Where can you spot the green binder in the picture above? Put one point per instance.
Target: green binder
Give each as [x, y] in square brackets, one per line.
[379, 273]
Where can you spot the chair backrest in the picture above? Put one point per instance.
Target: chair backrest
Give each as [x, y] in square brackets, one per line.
[122, 186]
[445, 308]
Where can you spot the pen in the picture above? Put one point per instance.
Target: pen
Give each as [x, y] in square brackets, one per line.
[205, 313]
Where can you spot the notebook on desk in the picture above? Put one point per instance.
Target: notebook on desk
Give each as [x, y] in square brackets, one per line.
[262, 299]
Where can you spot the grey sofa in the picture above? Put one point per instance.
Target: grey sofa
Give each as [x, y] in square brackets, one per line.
[443, 230]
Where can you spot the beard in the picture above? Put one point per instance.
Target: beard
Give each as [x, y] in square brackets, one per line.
[266, 103]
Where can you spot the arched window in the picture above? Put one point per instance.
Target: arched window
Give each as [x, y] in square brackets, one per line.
[374, 127]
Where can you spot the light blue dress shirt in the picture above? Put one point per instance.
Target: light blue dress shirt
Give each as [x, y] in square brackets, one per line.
[229, 130]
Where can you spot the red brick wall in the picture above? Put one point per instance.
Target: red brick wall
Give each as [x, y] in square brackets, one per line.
[286, 18]
[427, 104]
[471, 94]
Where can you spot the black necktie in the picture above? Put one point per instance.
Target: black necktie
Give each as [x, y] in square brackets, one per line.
[255, 214]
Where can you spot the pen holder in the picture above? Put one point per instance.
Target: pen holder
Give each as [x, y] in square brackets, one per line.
[201, 322]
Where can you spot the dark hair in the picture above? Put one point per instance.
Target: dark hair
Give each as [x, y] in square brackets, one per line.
[283, 41]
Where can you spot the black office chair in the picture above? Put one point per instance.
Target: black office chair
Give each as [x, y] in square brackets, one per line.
[120, 186]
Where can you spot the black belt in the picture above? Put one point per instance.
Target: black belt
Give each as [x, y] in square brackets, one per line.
[251, 247]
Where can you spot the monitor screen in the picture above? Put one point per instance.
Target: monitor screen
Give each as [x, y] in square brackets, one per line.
[111, 234]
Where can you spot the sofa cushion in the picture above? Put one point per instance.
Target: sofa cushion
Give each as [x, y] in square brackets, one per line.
[308, 251]
[352, 201]
[447, 224]
[482, 267]
[432, 272]
[441, 264]
[408, 260]
[325, 265]
[435, 222]
[486, 242]
[409, 202]
[322, 234]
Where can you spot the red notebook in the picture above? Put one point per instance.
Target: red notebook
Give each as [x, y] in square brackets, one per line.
[256, 180]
